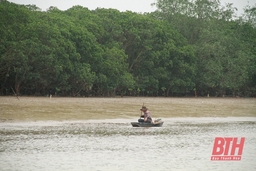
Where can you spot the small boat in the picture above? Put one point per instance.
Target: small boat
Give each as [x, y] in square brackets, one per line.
[157, 123]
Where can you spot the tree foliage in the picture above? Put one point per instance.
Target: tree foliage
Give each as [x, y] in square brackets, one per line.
[182, 47]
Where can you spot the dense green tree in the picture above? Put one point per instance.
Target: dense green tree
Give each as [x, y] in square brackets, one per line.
[223, 58]
[182, 47]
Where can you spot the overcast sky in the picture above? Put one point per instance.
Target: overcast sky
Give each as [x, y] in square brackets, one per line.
[121, 5]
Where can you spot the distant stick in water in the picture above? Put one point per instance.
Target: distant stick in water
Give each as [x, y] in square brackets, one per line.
[15, 93]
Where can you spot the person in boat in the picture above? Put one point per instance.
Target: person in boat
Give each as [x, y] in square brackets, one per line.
[145, 114]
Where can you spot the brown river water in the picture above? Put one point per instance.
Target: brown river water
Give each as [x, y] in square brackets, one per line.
[80, 134]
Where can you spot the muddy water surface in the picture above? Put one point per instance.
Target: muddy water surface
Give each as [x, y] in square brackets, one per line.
[95, 134]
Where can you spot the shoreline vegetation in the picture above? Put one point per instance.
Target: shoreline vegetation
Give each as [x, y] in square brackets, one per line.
[97, 108]
[184, 48]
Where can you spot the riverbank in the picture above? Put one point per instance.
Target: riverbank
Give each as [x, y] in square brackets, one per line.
[64, 108]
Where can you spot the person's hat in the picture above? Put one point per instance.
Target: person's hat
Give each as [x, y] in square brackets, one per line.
[144, 108]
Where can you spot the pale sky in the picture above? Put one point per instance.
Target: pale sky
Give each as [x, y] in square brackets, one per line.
[122, 5]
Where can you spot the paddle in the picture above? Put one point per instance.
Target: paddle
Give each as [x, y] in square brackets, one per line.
[141, 110]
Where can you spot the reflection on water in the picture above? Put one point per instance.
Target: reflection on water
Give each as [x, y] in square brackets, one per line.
[181, 144]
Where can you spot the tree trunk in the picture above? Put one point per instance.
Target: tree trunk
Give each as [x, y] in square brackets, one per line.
[17, 89]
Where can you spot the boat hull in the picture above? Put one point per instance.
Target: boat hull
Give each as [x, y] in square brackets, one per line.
[143, 124]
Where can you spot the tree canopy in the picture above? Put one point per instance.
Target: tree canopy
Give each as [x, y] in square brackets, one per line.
[182, 49]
